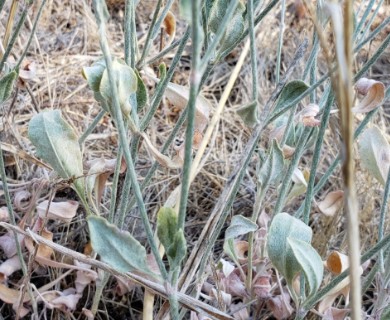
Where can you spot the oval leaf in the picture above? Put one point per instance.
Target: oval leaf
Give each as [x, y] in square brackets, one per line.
[284, 227]
[171, 237]
[115, 247]
[57, 144]
[126, 83]
[290, 92]
[272, 167]
[374, 153]
[309, 261]
[6, 85]
[239, 226]
[248, 113]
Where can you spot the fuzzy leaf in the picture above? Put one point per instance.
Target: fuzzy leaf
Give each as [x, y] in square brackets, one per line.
[171, 237]
[216, 14]
[309, 261]
[374, 153]
[6, 85]
[116, 248]
[126, 83]
[284, 228]
[239, 226]
[233, 31]
[291, 91]
[272, 167]
[94, 74]
[248, 113]
[142, 93]
[57, 144]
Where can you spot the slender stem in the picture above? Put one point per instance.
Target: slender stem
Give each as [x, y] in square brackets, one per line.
[130, 33]
[382, 219]
[280, 41]
[162, 53]
[373, 34]
[154, 28]
[14, 37]
[32, 34]
[345, 96]
[381, 245]
[294, 162]
[251, 27]
[91, 127]
[316, 159]
[11, 212]
[99, 11]
[114, 188]
[373, 16]
[363, 19]
[195, 77]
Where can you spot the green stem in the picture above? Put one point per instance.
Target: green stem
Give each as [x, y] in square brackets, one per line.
[130, 33]
[382, 219]
[280, 41]
[14, 37]
[35, 25]
[91, 127]
[252, 37]
[191, 107]
[99, 11]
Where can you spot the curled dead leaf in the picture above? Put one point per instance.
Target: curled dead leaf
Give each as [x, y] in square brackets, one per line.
[307, 114]
[28, 70]
[262, 286]
[159, 157]
[8, 243]
[239, 311]
[20, 199]
[43, 251]
[8, 267]
[332, 203]
[169, 25]
[221, 296]
[241, 250]
[336, 263]
[373, 92]
[280, 306]
[63, 211]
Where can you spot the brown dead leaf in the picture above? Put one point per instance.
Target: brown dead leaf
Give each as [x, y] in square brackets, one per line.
[332, 203]
[43, 251]
[373, 92]
[307, 114]
[239, 311]
[8, 244]
[8, 267]
[280, 306]
[63, 211]
[169, 25]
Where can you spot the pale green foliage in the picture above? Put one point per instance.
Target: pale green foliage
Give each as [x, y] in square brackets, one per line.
[171, 237]
[290, 92]
[374, 153]
[6, 85]
[126, 83]
[238, 226]
[248, 113]
[272, 168]
[185, 9]
[142, 93]
[115, 247]
[290, 251]
[57, 144]
[234, 29]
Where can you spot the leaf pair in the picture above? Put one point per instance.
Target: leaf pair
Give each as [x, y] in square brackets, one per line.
[291, 253]
[235, 27]
[127, 83]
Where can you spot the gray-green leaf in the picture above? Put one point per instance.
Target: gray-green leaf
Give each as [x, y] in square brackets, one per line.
[6, 85]
[283, 231]
[248, 113]
[239, 226]
[310, 263]
[126, 83]
[374, 152]
[290, 92]
[116, 248]
[142, 93]
[171, 236]
[272, 168]
[57, 144]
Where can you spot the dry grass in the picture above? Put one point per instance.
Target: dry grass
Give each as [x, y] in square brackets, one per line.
[67, 41]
